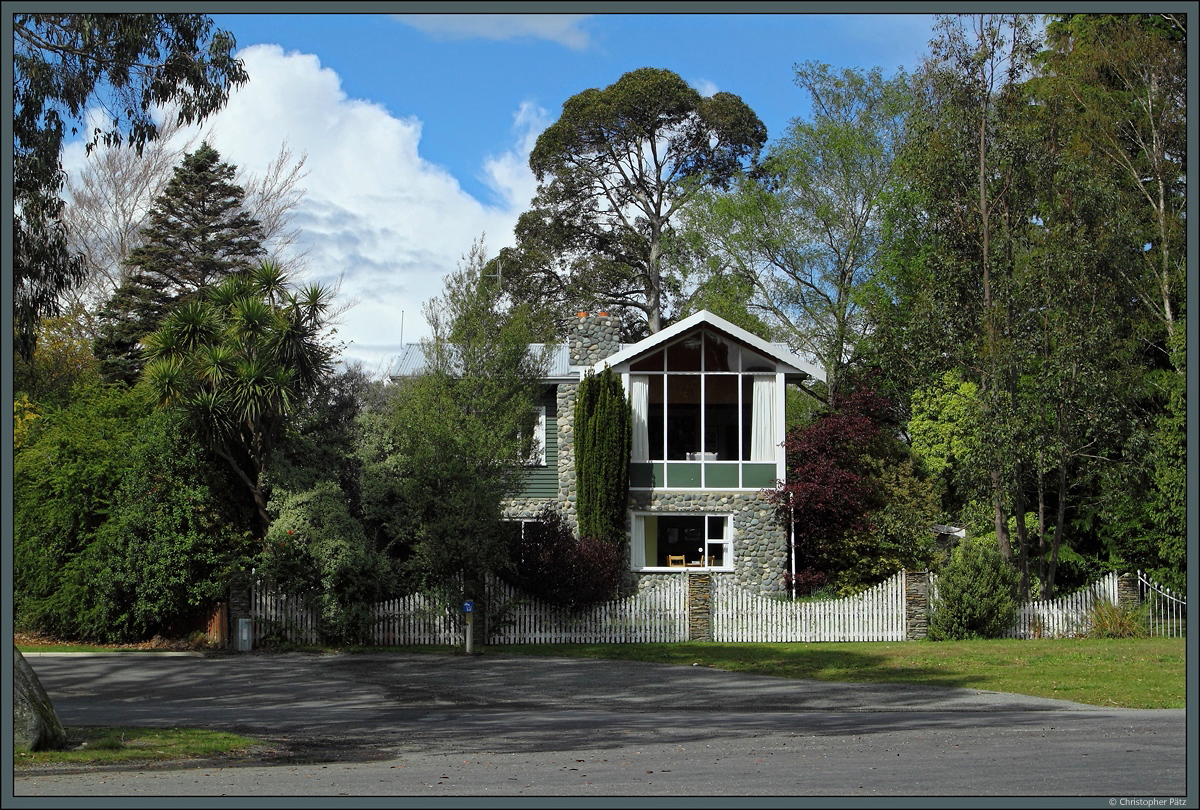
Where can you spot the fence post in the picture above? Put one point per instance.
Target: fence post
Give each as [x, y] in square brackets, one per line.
[1127, 592]
[699, 597]
[916, 605]
[239, 601]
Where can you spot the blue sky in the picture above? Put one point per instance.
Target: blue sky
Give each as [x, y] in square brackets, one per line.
[417, 128]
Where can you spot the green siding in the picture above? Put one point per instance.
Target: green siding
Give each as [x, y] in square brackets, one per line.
[542, 481]
[683, 475]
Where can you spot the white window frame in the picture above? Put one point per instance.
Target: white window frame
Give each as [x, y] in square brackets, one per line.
[537, 458]
[637, 540]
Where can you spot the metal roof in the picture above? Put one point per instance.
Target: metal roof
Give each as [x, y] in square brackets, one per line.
[412, 362]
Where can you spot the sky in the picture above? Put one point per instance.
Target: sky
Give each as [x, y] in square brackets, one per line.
[417, 128]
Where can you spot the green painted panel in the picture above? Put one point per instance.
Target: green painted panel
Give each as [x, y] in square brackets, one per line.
[683, 475]
[755, 476]
[641, 475]
[721, 476]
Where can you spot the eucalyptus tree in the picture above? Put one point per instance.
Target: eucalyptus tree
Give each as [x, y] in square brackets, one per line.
[62, 64]
[614, 172]
[238, 359]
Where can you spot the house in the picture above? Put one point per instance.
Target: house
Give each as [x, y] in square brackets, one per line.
[707, 399]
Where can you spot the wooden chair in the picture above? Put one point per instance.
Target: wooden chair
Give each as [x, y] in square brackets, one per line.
[676, 560]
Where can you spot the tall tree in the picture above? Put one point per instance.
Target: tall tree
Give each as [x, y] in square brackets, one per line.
[958, 227]
[237, 360]
[614, 172]
[111, 197]
[1125, 77]
[452, 444]
[804, 234]
[198, 233]
[62, 63]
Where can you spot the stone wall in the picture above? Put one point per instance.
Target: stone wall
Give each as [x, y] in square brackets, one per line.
[759, 538]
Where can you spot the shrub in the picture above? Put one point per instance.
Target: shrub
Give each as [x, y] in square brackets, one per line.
[550, 564]
[1106, 620]
[976, 595]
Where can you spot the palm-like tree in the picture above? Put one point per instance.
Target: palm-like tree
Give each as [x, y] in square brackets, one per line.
[237, 360]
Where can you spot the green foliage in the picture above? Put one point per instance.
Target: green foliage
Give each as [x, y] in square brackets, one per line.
[942, 429]
[1106, 620]
[802, 235]
[197, 234]
[452, 441]
[613, 171]
[316, 544]
[603, 442]
[62, 362]
[63, 64]
[120, 531]
[549, 563]
[238, 361]
[976, 595]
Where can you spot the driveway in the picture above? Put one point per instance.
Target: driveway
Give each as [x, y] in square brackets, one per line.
[426, 725]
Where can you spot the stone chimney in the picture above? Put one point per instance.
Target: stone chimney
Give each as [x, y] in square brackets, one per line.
[596, 335]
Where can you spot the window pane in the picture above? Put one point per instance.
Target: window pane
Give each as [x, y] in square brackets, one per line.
[719, 354]
[721, 416]
[683, 415]
[651, 362]
[655, 417]
[684, 355]
[680, 536]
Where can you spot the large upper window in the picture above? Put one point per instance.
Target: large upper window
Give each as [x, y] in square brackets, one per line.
[703, 398]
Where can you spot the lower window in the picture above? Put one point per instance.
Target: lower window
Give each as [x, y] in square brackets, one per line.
[681, 541]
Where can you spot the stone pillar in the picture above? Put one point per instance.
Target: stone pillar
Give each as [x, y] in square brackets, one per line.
[699, 602]
[239, 602]
[595, 336]
[1127, 592]
[916, 605]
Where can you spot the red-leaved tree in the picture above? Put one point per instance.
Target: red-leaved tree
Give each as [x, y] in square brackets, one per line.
[832, 484]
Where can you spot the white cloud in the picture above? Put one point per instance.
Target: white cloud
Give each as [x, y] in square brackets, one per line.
[508, 174]
[706, 88]
[377, 216]
[565, 29]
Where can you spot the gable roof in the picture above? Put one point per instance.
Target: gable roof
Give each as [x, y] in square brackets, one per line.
[797, 366]
[412, 362]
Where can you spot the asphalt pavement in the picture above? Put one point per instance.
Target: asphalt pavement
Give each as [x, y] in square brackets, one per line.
[411, 727]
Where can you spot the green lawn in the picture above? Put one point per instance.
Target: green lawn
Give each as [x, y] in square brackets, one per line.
[1144, 673]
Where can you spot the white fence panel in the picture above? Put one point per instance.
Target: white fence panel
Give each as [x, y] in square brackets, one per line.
[874, 615]
[1166, 612]
[656, 613]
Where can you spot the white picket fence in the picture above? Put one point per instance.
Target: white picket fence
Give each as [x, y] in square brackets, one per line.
[874, 615]
[1066, 616]
[656, 613]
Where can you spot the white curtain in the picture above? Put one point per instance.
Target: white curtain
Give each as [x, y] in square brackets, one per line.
[639, 403]
[762, 426]
[637, 545]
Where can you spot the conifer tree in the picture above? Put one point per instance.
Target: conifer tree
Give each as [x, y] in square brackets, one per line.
[198, 234]
[603, 441]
